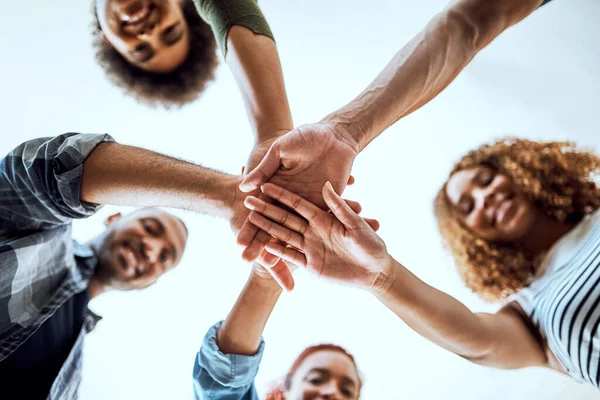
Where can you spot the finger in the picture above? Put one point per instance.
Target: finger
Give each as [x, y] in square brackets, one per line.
[303, 207]
[351, 180]
[267, 259]
[340, 209]
[354, 205]
[277, 231]
[263, 171]
[282, 274]
[243, 169]
[274, 213]
[373, 223]
[252, 252]
[286, 253]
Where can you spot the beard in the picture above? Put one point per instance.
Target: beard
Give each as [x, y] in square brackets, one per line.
[108, 269]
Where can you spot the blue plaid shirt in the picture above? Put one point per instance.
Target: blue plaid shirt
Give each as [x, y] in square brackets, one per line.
[41, 267]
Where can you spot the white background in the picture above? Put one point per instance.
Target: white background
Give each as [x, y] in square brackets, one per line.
[539, 80]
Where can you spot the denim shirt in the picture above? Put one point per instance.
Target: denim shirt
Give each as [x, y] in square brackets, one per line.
[219, 376]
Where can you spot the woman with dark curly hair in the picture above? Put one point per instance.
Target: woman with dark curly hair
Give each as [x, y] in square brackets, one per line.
[163, 52]
[522, 220]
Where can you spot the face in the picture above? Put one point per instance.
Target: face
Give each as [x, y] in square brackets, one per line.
[138, 248]
[490, 205]
[325, 375]
[152, 35]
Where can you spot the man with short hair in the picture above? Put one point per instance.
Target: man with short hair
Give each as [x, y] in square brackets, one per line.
[47, 279]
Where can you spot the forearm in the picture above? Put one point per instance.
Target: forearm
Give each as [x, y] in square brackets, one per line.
[428, 64]
[124, 175]
[242, 330]
[435, 315]
[254, 62]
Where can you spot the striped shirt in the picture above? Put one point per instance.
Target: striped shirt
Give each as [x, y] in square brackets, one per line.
[564, 301]
[41, 267]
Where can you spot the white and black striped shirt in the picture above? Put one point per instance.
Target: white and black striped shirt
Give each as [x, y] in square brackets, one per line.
[564, 301]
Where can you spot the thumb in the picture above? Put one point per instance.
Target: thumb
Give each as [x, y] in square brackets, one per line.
[340, 208]
[263, 171]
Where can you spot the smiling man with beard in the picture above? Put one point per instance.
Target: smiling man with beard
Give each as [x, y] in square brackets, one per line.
[47, 279]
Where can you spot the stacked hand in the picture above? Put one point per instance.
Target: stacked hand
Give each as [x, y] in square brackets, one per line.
[339, 245]
[301, 161]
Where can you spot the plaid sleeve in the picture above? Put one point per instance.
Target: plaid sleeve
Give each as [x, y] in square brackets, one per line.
[40, 182]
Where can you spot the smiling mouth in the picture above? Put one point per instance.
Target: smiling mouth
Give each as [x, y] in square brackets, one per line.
[502, 209]
[129, 258]
[137, 17]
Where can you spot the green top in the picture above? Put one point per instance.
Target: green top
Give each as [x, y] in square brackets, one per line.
[221, 15]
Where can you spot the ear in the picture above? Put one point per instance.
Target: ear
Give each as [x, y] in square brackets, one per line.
[112, 219]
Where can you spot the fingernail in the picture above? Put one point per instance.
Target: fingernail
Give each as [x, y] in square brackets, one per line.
[329, 184]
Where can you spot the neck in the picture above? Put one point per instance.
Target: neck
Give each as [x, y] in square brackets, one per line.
[545, 232]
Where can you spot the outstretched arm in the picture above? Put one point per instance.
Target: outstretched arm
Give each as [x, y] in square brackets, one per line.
[232, 350]
[416, 74]
[345, 248]
[124, 175]
[248, 46]
[428, 64]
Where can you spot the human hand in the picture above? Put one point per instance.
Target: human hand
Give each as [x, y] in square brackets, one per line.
[342, 246]
[302, 160]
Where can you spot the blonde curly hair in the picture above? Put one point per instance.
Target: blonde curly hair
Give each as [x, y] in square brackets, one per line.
[557, 177]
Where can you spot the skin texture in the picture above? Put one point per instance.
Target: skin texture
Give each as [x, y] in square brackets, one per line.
[135, 250]
[157, 42]
[325, 374]
[490, 205]
[344, 247]
[301, 160]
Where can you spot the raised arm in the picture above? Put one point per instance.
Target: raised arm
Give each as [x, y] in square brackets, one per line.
[344, 247]
[428, 64]
[416, 74]
[232, 350]
[248, 46]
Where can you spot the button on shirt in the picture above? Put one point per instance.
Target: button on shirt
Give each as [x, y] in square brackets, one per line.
[41, 267]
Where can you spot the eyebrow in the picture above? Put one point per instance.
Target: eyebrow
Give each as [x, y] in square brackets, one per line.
[174, 40]
[162, 230]
[323, 371]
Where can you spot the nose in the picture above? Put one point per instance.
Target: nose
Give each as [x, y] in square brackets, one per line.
[330, 391]
[147, 30]
[151, 249]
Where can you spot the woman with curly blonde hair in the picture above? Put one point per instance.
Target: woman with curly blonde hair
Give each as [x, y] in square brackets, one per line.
[522, 221]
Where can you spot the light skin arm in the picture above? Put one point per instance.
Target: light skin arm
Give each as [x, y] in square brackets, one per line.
[124, 175]
[428, 64]
[345, 248]
[254, 62]
[242, 330]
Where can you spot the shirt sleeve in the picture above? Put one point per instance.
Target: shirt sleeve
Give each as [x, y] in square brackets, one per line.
[221, 15]
[219, 376]
[40, 182]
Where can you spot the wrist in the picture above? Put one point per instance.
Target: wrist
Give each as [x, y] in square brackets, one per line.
[347, 130]
[264, 283]
[384, 280]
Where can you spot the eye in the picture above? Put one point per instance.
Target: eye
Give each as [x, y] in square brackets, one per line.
[163, 256]
[486, 178]
[348, 393]
[172, 34]
[150, 228]
[140, 48]
[466, 206]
